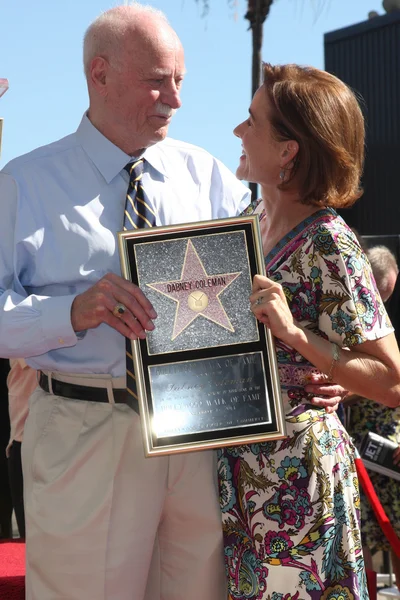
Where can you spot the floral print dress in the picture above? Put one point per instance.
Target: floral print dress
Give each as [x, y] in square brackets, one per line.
[291, 507]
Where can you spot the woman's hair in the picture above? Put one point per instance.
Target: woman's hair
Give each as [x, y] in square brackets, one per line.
[323, 115]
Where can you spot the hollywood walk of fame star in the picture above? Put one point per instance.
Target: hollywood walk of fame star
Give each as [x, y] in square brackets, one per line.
[196, 293]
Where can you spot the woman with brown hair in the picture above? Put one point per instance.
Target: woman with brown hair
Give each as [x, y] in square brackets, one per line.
[291, 507]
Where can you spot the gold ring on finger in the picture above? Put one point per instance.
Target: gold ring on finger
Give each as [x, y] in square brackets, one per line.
[119, 310]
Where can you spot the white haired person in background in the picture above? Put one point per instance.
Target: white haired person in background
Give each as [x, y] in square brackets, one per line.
[385, 270]
[365, 415]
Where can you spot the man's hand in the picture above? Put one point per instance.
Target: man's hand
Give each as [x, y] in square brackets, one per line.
[96, 306]
[325, 395]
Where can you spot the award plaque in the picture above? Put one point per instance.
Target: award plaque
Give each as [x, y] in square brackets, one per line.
[207, 374]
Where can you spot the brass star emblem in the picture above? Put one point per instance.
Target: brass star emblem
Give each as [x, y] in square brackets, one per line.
[196, 293]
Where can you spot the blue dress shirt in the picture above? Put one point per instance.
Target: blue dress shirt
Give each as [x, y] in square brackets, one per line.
[61, 207]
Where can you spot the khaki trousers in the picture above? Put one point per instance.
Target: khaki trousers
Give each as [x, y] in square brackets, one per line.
[105, 523]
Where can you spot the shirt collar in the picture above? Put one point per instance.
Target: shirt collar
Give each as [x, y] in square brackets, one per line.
[157, 159]
[108, 158]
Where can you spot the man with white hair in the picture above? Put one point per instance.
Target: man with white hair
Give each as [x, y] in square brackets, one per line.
[103, 522]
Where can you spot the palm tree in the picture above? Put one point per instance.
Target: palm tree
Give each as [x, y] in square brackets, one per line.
[257, 12]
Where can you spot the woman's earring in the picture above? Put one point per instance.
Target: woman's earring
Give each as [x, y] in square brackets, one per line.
[282, 175]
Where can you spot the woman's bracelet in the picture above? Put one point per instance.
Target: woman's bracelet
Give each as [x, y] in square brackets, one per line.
[335, 359]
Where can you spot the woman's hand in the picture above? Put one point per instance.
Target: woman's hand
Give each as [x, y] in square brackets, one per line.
[323, 394]
[371, 369]
[268, 304]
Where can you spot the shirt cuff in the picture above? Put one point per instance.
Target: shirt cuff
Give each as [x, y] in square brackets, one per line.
[56, 321]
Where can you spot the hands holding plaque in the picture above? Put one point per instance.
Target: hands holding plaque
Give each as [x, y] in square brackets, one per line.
[207, 375]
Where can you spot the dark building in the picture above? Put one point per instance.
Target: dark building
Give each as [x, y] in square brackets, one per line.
[366, 56]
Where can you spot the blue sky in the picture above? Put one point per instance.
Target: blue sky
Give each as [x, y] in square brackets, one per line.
[41, 46]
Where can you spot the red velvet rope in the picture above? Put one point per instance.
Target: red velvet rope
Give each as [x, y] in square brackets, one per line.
[372, 584]
[377, 507]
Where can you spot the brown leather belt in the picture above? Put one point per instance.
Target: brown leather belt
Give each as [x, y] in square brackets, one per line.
[86, 393]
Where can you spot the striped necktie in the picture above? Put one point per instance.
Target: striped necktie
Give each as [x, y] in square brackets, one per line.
[138, 215]
[138, 210]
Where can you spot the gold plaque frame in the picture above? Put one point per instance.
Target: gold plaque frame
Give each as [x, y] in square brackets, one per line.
[207, 376]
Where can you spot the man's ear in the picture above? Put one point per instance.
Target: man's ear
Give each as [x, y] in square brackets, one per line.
[98, 74]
